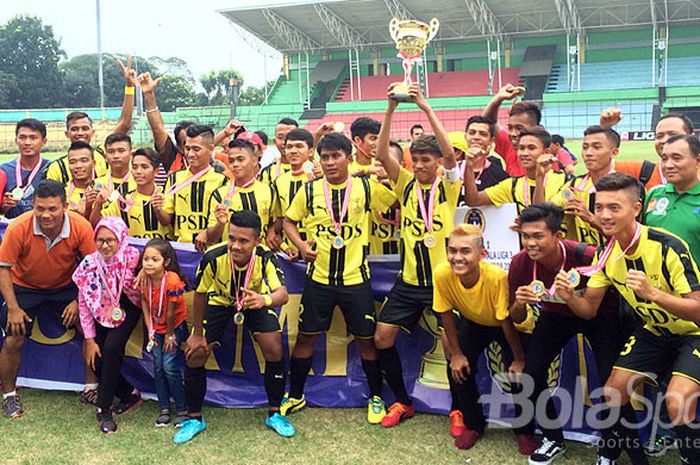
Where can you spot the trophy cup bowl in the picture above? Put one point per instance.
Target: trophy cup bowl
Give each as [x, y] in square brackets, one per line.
[433, 367]
[410, 37]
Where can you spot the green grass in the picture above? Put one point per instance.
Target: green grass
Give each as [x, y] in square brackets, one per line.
[57, 429]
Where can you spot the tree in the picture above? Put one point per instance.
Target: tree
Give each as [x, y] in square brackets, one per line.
[254, 95]
[175, 91]
[217, 85]
[30, 52]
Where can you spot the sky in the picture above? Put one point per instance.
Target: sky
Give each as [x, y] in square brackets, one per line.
[201, 36]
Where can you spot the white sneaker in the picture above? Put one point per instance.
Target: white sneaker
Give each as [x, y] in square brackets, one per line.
[547, 452]
[605, 461]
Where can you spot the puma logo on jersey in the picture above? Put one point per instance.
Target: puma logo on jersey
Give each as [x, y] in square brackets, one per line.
[696, 352]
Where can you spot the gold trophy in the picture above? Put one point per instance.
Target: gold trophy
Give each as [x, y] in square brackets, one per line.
[433, 364]
[411, 37]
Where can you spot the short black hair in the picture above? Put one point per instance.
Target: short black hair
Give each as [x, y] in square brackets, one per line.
[612, 135]
[538, 132]
[117, 137]
[152, 156]
[182, 126]
[687, 123]
[426, 144]
[482, 120]
[397, 146]
[528, 108]
[50, 188]
[288, 122]
[363, 126]
[243, 144]
[203, 130]
[335, 141]
[692, 141]
[33, 124]
[557, 139]
[80, 145]
[415, 126]
[263, 136]
[619, 181]
[76, 115]
[302, 135]
[551, 214]
[246, 219]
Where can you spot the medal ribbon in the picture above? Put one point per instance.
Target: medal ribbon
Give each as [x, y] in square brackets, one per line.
[246, 280]
[526, 189]
[343, 209]
[32, 174]
[177, 188]
[552, 289]
[108, 289]
[232, 188]
[111, 185]
[605, 255]
[72, 204]
[395, 221]
[160, 301]
[427, 217]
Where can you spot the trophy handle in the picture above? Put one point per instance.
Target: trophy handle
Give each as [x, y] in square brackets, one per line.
[394, 29]
[434, 26]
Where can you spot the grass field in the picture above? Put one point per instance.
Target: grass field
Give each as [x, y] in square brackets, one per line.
[58, 430]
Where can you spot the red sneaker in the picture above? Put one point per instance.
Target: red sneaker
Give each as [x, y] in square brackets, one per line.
[397, 413]
[457, 426]
[527, 445]
[467, 439]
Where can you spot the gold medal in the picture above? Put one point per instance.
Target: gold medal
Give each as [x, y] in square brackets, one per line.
[568, 194]
[429, 241]
[537, 287]
[397, 233]
[308, 167]
[117, 314]
[238, 318]
[227, 203]
[338, 242]
[574, 277]
[17, 193]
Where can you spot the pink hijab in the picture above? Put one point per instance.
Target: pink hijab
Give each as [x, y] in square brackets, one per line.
[94, 302]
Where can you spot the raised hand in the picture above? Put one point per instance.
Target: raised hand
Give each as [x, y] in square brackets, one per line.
[130, 78]
[147, 83]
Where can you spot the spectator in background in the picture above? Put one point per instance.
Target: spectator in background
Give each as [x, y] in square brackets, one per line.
[565, 160]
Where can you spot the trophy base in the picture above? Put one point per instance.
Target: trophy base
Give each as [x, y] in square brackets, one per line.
[400, 93]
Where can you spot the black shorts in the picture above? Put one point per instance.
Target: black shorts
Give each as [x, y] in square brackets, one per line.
[217, 318]
[49, 302]
[404, 305]
[654, 356]
[319, 300]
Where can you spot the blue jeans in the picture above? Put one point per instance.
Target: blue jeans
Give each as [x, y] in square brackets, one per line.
[168, 377]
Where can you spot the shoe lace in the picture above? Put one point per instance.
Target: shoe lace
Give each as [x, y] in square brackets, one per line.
[376, 405]
[546, 446]
[397, 408]
[457, 418]
[604, 461]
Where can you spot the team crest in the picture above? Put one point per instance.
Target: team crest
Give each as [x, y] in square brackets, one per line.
[660, 207]
[651, 205]
[476, 217]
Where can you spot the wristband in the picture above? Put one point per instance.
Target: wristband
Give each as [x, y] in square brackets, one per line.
[268, 300]
[452, 175]
[151, 110]
[128, 90]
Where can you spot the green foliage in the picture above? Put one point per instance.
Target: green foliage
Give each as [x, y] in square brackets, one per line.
[175, 91]
[217, 85]
[253, 95]
[29, 57]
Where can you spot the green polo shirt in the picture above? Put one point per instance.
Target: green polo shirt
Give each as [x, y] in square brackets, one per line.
[677, 213]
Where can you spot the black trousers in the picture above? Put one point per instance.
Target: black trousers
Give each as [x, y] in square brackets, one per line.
[112, 343]
[473, 339]
[551, 334]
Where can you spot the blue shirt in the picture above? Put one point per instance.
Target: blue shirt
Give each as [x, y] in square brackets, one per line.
[25, 204]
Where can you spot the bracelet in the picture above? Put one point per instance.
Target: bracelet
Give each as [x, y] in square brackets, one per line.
[128, 90]
[171, 337]
[151, 110]
[268, 300]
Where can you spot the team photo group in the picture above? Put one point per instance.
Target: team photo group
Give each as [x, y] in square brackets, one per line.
[610, 254]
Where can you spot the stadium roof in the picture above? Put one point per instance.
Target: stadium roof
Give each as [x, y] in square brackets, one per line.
[313, 25]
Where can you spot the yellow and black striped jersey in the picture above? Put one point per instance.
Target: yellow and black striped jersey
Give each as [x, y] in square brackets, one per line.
[58, 169]
[286, 186]
[346, 264]
[124, 187]
[511, 190]
[385, 232]
[75, 197]
[140, 218]
[257, 197]
[190, 205]
[274, 170]
[667, 263]
[417, 259]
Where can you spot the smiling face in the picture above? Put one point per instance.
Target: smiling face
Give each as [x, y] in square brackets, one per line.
[530, 148]
[244, 163]
[479, 135]
[143, 171]
[367, 145]
[679, 164]
[281, 131]
[464, 254]
[616, 210]
[198, 151]
[241, 243]
[666, 128]
[297, 153]
[80, 129]
[425, 166]
[49, 213]
[80, 164]
[538, 240]
[516, 124]
[598, 152]
[106, 242]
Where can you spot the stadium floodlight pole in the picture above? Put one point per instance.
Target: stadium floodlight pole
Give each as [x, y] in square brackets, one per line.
[100, 79]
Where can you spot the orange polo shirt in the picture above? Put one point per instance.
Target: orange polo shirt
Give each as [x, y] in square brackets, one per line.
[39, 263]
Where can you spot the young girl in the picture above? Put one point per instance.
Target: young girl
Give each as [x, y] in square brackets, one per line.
[106, 296]
[165, 314]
